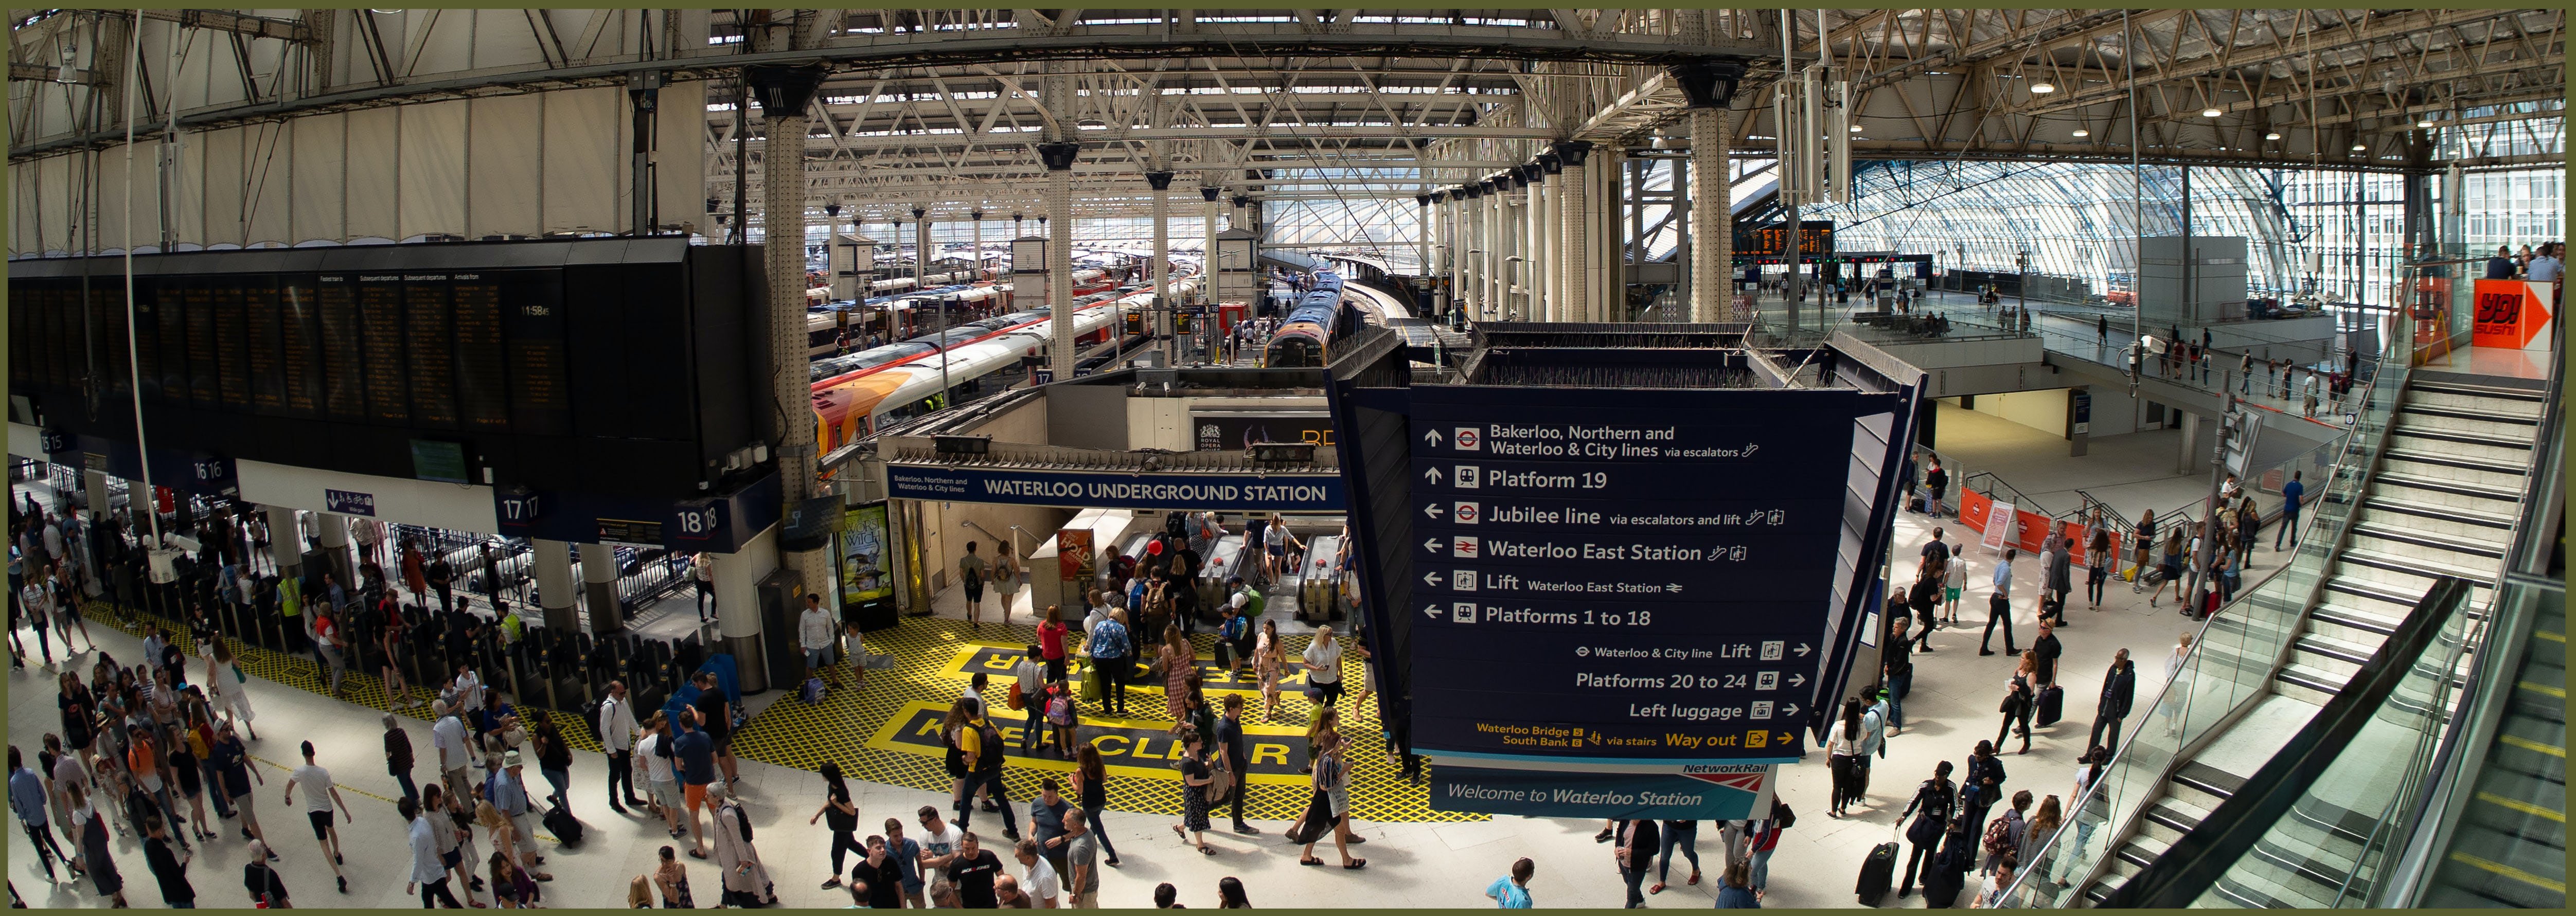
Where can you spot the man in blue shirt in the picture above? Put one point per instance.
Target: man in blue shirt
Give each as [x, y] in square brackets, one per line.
[1111, 658]
[2291, 494]
[27, 798]
[1999, 606]
[694, 755]
[2501, 266]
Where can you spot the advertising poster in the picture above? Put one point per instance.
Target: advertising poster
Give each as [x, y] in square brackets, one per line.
[1075, 559]
[2511, 314]
[865, 578]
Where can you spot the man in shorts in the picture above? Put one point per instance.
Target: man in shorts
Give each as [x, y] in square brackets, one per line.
[661, 782]
[715, 718]
[320, 795]
[695, 754]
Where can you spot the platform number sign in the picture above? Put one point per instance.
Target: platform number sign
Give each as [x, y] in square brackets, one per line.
[211, 470]
[696, 522]
[520, 509]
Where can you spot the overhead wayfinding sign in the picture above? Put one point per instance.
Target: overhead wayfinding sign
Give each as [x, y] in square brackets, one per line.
[1616, 586]
[1190, 490]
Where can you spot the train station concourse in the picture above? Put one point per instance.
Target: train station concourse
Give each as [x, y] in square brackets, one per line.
[1359, 458]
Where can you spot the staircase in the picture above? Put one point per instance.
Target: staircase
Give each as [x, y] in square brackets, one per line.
[2509, 849]
[2444, 500]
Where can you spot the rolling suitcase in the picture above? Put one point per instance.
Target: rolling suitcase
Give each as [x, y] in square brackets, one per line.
[1875, 874]
[2052, 704]
[1941, 887]
[566, 828]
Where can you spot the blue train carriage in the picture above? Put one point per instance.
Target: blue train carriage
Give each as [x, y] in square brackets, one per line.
[1310, 327]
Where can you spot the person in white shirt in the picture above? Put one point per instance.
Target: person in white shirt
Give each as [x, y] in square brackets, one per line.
[320, 795]
[428, 868]
[1323, 659]
[617, 735]
[661, 783]
[814, 635]
[447, 735]
[1040, 882]
[469, 688]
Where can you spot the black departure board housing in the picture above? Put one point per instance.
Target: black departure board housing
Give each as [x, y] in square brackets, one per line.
[1771, 240]
[613, 366]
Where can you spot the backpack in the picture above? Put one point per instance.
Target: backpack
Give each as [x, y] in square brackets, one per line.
[1060, 711]
[1782, 818]
[1999, 835]
[973, 577]
[1253, 602]
[739, 821]
[990, 759]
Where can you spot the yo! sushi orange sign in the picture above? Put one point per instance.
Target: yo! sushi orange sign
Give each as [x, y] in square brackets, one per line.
[2511, 314]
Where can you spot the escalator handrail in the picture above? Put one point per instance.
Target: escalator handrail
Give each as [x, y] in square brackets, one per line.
[2196, 860]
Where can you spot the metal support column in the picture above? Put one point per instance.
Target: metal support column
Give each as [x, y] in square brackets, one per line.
[920, 248]
[1161, 181]
[1059, 201]
[285, 541]
[784, 93]
[331, 532]
[644, 94]
[1710, 88]
[1575, 261]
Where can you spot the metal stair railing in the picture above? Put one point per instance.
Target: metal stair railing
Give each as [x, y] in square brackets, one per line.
[2203, 698]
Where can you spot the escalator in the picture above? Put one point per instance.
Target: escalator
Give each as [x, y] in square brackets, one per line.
[2508, 848]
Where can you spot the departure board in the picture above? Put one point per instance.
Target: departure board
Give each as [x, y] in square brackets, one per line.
[380, 333]
[482, 367]
[484, 353]
[147, 339]
[344, 393]
[174, 341]
[532, 321]
[1771, 240]
[63, 325]
[22, 356]
[109, 304]
[431, 349]
[299, 328]
[202, 354]
[260, 359]
[232, 333]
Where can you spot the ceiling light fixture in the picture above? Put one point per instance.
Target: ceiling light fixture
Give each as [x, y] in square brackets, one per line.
[2043, 87]
[2210, 112]
[2360, 147]
[1855, 128]
[2275, 135]
[2425, 121]
[2081, 132]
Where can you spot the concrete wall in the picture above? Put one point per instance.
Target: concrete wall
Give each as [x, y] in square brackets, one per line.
[1025, 422]
[2041, 410]
[1159, 423]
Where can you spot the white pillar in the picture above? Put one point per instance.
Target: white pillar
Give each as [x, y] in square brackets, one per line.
[332, 532]
[553, 561]
[737, 587]
[285, 539]
[1574, 246]
[1210, 199]
[1712, 220]
[920, 248]
[1161, 181]
[599, 588]
[1059, 201]
[1495, 244]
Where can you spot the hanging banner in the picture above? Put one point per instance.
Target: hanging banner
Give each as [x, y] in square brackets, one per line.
[1076, 560]
[864, 578]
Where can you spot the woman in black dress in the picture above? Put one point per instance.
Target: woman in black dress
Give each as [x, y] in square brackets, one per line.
[96, 849]
[1195, 778]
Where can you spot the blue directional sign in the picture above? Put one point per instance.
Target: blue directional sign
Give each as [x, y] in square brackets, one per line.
[1620, 585]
